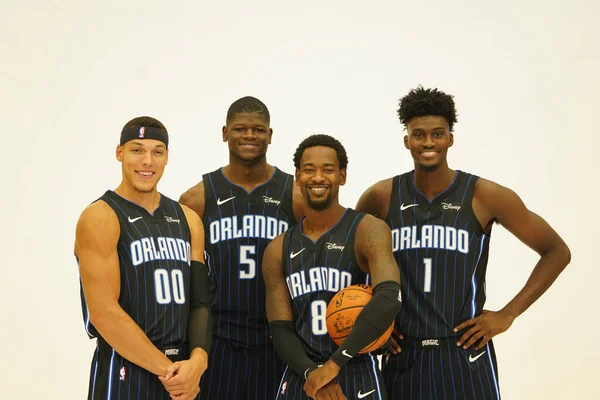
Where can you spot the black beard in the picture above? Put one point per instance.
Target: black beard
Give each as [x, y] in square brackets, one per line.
[430, 168]
[321, 205]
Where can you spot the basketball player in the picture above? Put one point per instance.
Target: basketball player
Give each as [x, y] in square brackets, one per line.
[144, 287]
[244, 205]
[331, 248]
[441, 221]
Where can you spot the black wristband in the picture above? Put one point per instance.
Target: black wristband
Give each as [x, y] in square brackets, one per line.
[199, 284]
[372, 322]
[290, 349]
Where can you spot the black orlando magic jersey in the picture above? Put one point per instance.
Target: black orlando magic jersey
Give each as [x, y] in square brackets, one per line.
[442, 254]
[154, 261]
[315, 272]
[239, 226]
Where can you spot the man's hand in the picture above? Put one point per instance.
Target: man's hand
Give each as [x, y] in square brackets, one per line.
[486, 326]
[183, 377]
[320, 377]
[394, 346]
[391, 346]
[331, 391]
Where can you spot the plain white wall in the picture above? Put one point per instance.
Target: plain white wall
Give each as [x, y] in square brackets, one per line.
[524, 76]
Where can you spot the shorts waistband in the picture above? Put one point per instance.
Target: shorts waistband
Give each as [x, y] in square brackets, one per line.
[173, 352]
[427, 343]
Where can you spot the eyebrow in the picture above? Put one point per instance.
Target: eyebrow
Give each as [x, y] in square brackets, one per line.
[423, 130]
[240, 125]
[324, 165]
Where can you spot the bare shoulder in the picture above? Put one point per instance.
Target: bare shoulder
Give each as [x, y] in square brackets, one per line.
[97, 224]
[275, 246]
[485, 187]
[495, 198]
[373, 242]
[97, 214]
[376, 199]
[373, 234]
[194, 198]
[372, 226]
[191, 215]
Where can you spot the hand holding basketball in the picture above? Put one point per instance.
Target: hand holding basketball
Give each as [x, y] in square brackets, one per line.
[342, 311]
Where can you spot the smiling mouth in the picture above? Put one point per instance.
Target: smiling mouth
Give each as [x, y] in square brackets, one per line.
[317, 189]
[428, 153]
[145, 174]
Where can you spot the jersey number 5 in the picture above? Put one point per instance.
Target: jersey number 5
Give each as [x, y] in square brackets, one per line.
[246, 260]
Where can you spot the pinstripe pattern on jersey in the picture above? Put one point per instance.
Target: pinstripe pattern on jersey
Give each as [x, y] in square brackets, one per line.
[432, 264]
[331, 263]
[239, 225]
[154, 263]
[447, 372]
[361, 375]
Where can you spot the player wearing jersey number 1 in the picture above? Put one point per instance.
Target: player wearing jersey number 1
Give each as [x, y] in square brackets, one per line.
[441, 221]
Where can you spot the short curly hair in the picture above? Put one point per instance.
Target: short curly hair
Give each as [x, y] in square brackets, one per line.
[250, 105]
[420, 102]
[321, 140]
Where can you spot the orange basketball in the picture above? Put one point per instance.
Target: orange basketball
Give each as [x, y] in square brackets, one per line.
[342, 311]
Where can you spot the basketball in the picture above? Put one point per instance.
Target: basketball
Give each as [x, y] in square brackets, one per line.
[342, 311]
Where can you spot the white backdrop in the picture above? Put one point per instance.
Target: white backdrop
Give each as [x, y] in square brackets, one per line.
[524, 76]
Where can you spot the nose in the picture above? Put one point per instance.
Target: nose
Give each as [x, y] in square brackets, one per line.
[249, 134]
[147, 160]
[318, 177]
[428, 142]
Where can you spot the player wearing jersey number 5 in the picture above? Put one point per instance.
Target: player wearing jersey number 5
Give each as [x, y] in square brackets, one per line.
[244, 205]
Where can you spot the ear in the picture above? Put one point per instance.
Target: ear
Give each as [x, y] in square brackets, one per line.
[297, 175]
[270, 135]
[119, 153]
[451, 135]
[342, 177]
[225, 135]
[406, 142]
[166, 156]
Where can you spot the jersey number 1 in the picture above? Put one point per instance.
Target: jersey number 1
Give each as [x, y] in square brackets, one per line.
[427, 284]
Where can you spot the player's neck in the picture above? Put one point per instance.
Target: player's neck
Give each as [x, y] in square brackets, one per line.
[148, 200]
[432, 183]
[315, 223]
[248, 176]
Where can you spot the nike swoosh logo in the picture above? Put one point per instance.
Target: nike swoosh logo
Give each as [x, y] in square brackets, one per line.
[404, 207]
[133, 219]
[473, 359]
[344, 352]
[219, 201]
[363, 395]
[292, 254]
